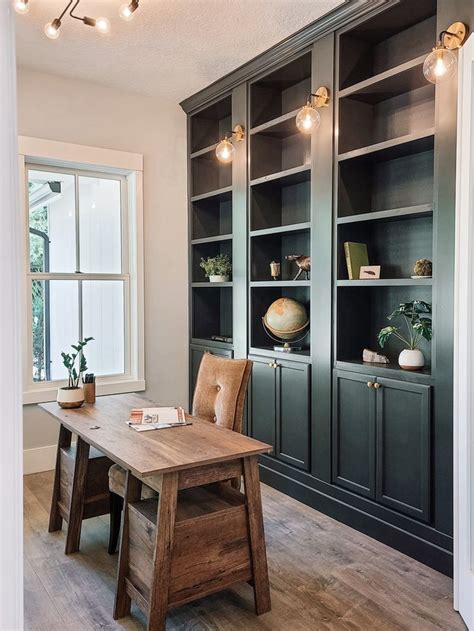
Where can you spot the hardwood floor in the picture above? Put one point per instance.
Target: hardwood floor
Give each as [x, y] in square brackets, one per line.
[323, 575]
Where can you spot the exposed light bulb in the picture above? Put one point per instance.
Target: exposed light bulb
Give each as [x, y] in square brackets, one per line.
[52, 29]
[21, 6]
[439, 65]
[102, 25]
[127, 10]
[225, 151]
[308, 119]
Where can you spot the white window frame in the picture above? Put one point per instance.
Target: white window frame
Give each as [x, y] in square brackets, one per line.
[44, 154]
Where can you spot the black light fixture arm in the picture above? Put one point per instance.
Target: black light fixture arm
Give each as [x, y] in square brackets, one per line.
[85, 19]
[57, 21]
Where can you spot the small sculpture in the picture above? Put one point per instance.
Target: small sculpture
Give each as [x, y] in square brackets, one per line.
[275, 270]
[371, 357]
[423, 267]
[303, 262]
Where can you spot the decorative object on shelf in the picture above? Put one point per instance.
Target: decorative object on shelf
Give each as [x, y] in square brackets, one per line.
[356, 257]
[371, 357]
[221, 338]
[441, 62]
[89, 388]
[303, 262]
[419, 326]
[127, 10]
[52, 30]
[308, 118]
[423, 269]
[217, 268]
[72, 395]
[369, 272]
[286, 320]
[275, 270]
[225, 150]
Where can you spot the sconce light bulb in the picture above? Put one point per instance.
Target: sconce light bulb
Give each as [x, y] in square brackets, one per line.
[308, 119]
[440, 65]
[102, 25]
[52, 29]
[21, 6]
[225, 151]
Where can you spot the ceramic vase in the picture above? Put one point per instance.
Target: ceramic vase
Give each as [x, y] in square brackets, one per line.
[70, 397]
[411, 359]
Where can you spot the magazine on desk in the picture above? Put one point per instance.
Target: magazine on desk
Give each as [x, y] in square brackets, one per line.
[144, 419]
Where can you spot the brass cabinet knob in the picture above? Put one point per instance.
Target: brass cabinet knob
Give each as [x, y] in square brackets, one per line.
[276, 365]
[271, 364]
[377, 385]
[370, 384]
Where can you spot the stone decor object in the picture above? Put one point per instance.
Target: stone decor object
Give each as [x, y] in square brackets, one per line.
[371, 357]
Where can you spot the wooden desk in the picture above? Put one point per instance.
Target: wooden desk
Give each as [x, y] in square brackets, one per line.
[171, 460]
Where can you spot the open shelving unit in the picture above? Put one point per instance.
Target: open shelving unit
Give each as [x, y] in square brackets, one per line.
[211, 230]
[279, 197]
[384, 173]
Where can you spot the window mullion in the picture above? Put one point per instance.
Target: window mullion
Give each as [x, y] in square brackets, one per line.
[76, 203]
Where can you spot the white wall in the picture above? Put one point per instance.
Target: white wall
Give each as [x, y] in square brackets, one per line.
[85, 113]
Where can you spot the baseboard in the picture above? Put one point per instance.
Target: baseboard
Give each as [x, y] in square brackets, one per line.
[39, 459]
[408, 543]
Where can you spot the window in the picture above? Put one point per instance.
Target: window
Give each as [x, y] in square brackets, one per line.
[80, 274]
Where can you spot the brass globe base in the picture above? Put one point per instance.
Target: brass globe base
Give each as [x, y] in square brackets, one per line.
[455, 35]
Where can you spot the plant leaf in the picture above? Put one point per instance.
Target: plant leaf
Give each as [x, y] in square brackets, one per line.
[385, 333]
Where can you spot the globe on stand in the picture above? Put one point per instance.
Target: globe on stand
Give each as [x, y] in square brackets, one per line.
[286, 320]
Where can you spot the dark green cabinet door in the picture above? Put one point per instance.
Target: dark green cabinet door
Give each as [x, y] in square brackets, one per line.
[354, 432]
[263, 401]
[293, 413]
[403, 447]
[196, 355]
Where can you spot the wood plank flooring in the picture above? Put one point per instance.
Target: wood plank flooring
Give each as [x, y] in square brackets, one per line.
[323, 575]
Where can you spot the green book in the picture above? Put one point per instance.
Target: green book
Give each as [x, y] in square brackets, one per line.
[356, 256]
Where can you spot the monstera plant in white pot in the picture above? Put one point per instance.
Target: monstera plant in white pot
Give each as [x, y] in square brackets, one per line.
[72, 395]
[416, 317]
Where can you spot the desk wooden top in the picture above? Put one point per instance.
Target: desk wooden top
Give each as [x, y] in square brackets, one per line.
[157, 451]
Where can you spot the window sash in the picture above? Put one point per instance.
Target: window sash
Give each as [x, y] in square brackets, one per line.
[78, 276]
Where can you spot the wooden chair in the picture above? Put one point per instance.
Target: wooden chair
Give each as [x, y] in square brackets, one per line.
[219, 398]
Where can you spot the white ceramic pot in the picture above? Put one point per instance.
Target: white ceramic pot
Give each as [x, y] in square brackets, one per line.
[411, 359]
[219, 279]
[70, 397]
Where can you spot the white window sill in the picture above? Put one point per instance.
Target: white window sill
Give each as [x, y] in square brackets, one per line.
[48, 392]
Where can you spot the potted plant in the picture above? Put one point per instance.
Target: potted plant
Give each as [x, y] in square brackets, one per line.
[217, 268]
[72, 395]
[416, 316]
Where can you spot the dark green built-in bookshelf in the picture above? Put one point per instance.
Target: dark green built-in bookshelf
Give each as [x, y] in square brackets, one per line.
[379, 170]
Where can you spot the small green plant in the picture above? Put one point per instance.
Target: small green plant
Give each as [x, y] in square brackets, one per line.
[216, 265]
[415, 316]
[69, 361]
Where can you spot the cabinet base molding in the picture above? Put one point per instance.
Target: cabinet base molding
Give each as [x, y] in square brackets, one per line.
[430, 554]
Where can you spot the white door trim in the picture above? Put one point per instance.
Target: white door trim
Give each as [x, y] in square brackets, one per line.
[464, 344]
[11, 457]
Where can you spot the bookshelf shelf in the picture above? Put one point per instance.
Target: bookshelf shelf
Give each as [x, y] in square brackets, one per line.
[221, 237]
[386, 282]
[392, 214]
[224, 190]
[400, 147]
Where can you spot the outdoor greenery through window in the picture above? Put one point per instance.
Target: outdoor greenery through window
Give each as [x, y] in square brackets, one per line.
[78, 269]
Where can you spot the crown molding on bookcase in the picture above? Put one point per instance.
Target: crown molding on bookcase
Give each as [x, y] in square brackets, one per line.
[274, 56]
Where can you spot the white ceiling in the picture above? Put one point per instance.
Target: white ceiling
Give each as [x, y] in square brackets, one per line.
[171, 49]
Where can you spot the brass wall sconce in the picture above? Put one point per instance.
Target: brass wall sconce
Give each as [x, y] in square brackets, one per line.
[441, 62]
[308, 118]
[225, 150]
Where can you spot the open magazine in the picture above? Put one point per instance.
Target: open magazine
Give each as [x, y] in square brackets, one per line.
[143, 419]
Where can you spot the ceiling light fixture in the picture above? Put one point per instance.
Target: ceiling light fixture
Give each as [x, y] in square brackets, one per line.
[52, 29]
[308, 118]
[441, 62]
[225, 150]
[21, 6]
[128, 9]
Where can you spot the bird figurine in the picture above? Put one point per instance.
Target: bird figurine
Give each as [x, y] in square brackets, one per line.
[303, 262]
